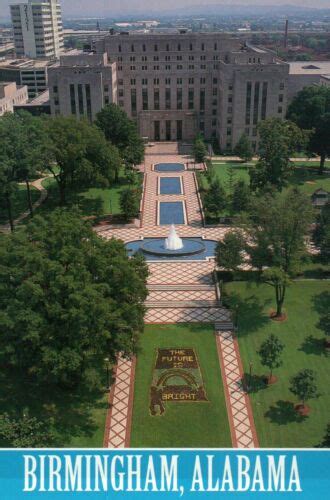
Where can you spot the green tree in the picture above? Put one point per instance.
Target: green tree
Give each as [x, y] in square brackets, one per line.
[68, 297]
[303, 385]
[229, 251]
[243, 148]
[215, 199]
[276, 231]
[279, 139]
[122, 132]
[326, 439]
[25, 432]
[199, 150]
[310, 110]
[79, 155]
[241, 197]
[322, 233]
[26, 135]
[270, 354]
[130, 202]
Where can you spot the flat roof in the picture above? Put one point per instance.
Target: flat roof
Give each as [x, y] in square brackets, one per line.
[24, 63]
[309, 67]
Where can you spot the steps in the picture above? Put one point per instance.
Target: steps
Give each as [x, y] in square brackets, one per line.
[224, 326]
[155, 287]
[181, 303]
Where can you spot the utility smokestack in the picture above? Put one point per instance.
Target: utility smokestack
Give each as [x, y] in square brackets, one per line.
[286, 33]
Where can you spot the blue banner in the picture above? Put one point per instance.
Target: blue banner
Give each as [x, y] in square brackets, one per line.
[156, 473]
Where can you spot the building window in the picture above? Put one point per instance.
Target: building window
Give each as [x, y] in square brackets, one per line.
[256, 102]
[73, 100]
[179, 47]
[156, 99]
[191, 81]
[282, 86]
[179, 130]
[203, 46]
[156, 48]
[88, 101]
[202, 81]
[144, 81]
[132, 48]
[156, 58]
[167, 81]
[168, 135]
[156, 81]
[119, 48]
[280, 109]
[133, 81]
[121, 93]
[167, 47]
[167, 98]
[248, 103]
[179, 98]
[55, 89]
[280, 98]
[190, 46]
[179, 81]
[80, 99]
[191, 99]
[120, 82]
[144, 99]
[157, 131]
[202, 99]
[133, 102]
[144, 47]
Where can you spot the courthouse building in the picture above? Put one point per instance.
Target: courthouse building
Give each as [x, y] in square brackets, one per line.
[175, 85]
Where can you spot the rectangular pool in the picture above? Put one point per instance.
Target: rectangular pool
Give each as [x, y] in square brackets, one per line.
[171, 212]
[169, 167]
[170, 185]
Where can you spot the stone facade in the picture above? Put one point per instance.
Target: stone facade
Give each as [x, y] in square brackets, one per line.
[178, 85]
[11, 95]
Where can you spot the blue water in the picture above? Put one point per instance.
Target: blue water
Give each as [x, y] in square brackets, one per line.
[169, 167]
[210, 245]
[171, 212]
[170, 185]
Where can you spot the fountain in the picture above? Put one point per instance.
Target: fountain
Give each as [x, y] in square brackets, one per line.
[173, 242]
[172, 246]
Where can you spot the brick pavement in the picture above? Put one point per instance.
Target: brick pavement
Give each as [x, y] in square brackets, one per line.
[180, 291]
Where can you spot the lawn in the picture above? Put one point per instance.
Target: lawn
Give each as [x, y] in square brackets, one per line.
[200, 424]
[92, 202]
[307, 301]
[19, 203]
[302, 177]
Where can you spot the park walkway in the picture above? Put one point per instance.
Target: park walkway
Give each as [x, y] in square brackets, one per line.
[179, 292]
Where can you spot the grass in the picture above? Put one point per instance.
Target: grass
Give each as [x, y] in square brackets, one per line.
[76, 417]
[308, 181]
[273, 407]
[92, 202]
[203, 424]
[19, 203]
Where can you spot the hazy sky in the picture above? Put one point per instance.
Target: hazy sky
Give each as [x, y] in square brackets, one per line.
[108, 7]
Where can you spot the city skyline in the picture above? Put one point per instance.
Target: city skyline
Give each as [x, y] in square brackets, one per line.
[127, 7]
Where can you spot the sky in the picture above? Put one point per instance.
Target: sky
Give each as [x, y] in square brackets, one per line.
[115, 7]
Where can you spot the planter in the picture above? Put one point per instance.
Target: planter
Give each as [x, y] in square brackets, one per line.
[302, 410]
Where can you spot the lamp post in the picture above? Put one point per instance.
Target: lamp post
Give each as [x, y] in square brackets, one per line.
[107, 365]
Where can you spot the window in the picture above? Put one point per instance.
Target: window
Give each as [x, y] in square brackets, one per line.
[156, 81]
[190, 98]
[167, 58]
[88, 101]
[132, 68]
[55, 89]
[203, 46]
[179, 81]
[156, 58]
[156, 48]
[264, 100]
[156, 99]
[132, 48]
[190, 46]
[203, 58]
[229, 121]
[179, 66]
[202, 99]
[179, 47]
[214, 123]
[215, 81]
[106, 88]
[256, 102]
[144, 47]
[214, 91]
[167, 98]
[179, 58]
[156, 68]
[179, 98]
[120, 82]
[202, 81]
[179, 130]
[133, 102]
[282, 86]
[228, 131]
[144, 81]
[168, 81]
[248, 103]
[280, 98]
[230, 98]
[167, 47]
[80, 99]
[119, 48]
[167, 67]
[132, 58]
[280, 109]
[215, 46]
[144, 98]
[191, 81]
[121, 93]
[133, 81]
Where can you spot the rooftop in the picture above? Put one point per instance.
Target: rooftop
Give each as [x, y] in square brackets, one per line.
[309, 68]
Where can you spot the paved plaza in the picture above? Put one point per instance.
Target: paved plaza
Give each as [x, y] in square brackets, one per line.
[179, 292]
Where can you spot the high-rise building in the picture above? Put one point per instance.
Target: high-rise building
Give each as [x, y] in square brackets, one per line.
[37, 26]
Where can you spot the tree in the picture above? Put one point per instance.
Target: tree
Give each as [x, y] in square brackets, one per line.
[25, 432]
[243, 148]
[279, 139]
[270, 354]
[79, 155]
[303, 385]
[322, 233]
[310, 110]
[26, 146]
[215, 198]
[241, 197]
[275, 232]
[199, 150]
[229, 251]
[326, 440]
[130, 202]
[122, 132]
[68, 299]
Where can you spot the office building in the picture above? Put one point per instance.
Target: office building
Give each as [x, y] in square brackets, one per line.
[11, 95]
[37, 27]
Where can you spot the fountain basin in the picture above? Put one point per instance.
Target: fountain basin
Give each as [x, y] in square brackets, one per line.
[157, 247]
[205, 249]
[169, 167]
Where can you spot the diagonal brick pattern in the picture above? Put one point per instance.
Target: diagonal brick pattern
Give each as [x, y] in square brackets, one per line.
[238, 404]
[120, 405]
[180, 292]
